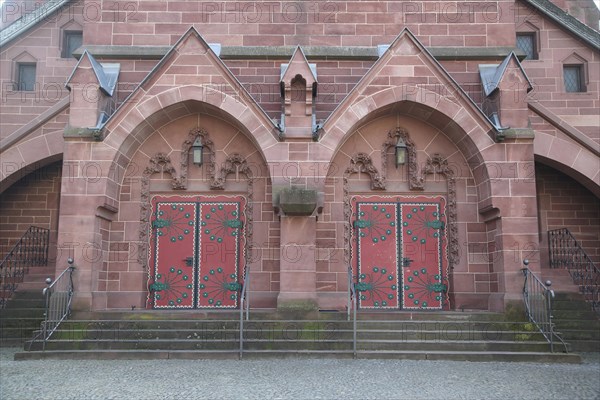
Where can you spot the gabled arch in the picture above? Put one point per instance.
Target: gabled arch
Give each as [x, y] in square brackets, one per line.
[440, 102]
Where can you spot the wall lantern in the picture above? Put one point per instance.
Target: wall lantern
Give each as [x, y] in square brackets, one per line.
[400, 152]
[197, 151]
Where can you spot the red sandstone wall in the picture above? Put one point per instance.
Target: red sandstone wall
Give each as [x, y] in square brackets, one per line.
[556, 45]
[33, 200]
[564, 203]
[43, 44]
[332, 23]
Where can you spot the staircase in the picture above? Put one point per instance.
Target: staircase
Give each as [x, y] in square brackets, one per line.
[23, 272]
[577, 323]
[576, 280]
[23, 312]
[477, 336]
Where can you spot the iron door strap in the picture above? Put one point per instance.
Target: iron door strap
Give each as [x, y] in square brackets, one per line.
[189, 261]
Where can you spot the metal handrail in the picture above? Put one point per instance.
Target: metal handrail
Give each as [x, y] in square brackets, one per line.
[352, 305]
[244, 306]
[538, 305]
[567, 253]
[30, 250]
[59, 295]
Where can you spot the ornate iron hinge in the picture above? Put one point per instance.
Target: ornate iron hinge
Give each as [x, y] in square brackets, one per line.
[233, 286]
[435, 224]
[362, 286]
[189, 261]
[438, 287]
[158, 286]
[362, 224]
[405, 262]
[233, 223]
[160, 223]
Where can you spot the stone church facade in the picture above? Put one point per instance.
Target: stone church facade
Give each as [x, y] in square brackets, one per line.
[177, 148]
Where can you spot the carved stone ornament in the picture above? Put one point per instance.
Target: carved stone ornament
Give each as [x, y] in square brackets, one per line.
[237, 163]
[160, 162]
[414, 181]
[185, 149]
[361, 162]
[439, 165]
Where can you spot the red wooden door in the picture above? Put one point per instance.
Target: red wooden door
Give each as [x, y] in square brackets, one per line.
[399, 251]
[196, 251]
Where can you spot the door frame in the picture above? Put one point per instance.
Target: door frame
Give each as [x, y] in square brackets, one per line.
[443, 242]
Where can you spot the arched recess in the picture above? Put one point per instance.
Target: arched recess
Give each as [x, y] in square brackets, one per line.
[364, 165]
[569, 158]
[140, 121]
[20, 159]
[162, 165]
[471, 135]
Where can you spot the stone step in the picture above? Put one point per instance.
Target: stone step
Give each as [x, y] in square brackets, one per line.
[323, 344]
[579, 314]
[274, 315]
[586, 346]
[35, 285]
[126, 355]
[326, 325]
[204, 354]
[24, 303]
[580, 334]
[12, 313]
[570, 305]
[566, 296]
[290, 334]
[475, 345]
[28, 294]
[574, 324]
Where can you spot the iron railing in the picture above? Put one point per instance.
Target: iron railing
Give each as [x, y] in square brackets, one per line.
[538, 305]
[352, 306]
[30, 250]
[567, 253]
[244, 307]
[59, 295]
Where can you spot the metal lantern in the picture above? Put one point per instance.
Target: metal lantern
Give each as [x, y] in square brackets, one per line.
[197, 151]
[400, 152]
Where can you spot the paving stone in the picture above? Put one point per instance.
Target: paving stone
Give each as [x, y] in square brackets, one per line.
[295, 379]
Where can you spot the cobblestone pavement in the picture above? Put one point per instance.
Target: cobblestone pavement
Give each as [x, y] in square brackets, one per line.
[295, 379]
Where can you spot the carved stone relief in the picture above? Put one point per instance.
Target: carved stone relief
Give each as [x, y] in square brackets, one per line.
[361, 162]
[439, 165]
[415, 182]
[160, 162]
[185, 149]
[236, 163]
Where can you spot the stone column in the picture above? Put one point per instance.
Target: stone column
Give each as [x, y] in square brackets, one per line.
[298, 265]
